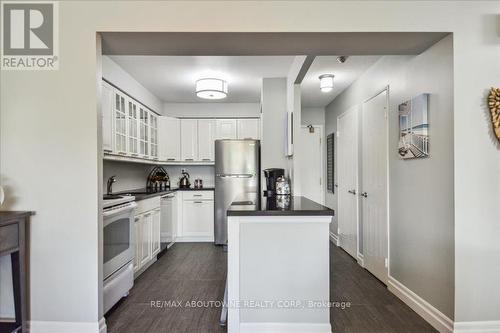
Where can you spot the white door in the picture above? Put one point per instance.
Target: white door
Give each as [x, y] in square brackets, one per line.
[206, 137]
[120, 123]
[189, 140]
[144, 132]
[198, 219]
[169, 137]
[311, 163]
[248, 128]
[133, 126]
[146, 233]
[107, 117]
[153, 135]
[347, 161]
[374, 185]
[226, 129]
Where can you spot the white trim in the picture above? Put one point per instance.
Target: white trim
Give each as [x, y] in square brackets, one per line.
[233, 273]
[102, 326]
[361, 260]
[477, 327]
[432, 315]
[67, 326]
[190, 239]
[285, 328]
[334, 238]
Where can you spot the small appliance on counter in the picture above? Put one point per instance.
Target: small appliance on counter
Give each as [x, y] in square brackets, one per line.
[198, 183]
[272, 175]
[158, 180]
[282, 186]
[184, 180]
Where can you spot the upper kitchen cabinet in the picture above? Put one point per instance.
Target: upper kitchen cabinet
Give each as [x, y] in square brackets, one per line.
[120, 122]
[133, 124]
[248, 128]
[206, 139]
[107, 117]
[226, 129]
[169, 137]
[143, 132]
[153, 134]
[189, 140]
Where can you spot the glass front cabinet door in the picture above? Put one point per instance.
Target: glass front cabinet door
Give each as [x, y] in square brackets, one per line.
[120, 123]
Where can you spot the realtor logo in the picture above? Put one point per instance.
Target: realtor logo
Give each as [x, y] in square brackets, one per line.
[29, 35]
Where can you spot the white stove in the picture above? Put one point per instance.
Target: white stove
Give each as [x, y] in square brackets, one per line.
[121, 199]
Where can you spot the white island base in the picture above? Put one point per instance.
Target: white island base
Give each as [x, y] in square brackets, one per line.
[278, 274]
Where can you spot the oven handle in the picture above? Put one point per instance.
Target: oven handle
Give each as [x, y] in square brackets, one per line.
[117, 211]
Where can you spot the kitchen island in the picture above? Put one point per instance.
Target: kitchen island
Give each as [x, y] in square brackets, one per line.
[278, 265]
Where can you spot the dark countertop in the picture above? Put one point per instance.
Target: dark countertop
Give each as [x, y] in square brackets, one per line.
[142, 193]
[9, 216]
[293, 206]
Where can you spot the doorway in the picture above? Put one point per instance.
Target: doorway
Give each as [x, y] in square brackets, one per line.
[311, 162]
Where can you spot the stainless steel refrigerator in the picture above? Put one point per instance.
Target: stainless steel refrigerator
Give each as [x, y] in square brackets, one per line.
[237, 174]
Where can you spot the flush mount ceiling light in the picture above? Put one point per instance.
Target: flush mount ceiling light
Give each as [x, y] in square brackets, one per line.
[326, 82]
[211, 88]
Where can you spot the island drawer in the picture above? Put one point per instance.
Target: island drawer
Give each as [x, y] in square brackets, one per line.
[198, 195]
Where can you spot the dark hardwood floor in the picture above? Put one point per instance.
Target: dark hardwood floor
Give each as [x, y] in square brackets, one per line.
[196, 272]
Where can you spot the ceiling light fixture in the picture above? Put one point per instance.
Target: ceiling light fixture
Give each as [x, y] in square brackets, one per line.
[326, 82]
[211, 88]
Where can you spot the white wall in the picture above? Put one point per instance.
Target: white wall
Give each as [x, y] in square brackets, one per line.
[421, 190]
[129, 176]
[273, 125]
[115, 74]
[312, 116]
[56, 112]
[211, 109]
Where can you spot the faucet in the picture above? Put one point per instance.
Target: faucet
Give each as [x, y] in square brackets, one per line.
[109, 187]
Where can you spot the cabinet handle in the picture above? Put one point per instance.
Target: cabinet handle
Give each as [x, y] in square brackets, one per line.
[188, 159]
[197, 195]
[206, 159]
[170, 159]
[198, 201]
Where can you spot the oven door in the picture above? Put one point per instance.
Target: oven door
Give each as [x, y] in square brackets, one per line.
[118, 238]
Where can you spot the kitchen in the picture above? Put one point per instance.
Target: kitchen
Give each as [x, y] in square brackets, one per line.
[171, 179]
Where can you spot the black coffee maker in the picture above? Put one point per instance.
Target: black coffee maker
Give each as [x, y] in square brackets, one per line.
[272, 176]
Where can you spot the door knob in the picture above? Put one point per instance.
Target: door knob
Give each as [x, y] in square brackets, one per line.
[364, 194]
[352, 192]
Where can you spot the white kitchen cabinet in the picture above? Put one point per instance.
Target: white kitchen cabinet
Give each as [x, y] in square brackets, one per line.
[169, 216]
[226, 129]
[153, 134]
[107, 116]
[189, 140]
[198, 219]
[133, 125]
[248, 128]
[155, 232]
[146, 238]
[137, 243]
[206, 140]
[120, 122]
[143, 132]
[169, 135]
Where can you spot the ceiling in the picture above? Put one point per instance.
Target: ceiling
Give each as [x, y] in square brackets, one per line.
[172, 78]
[345, 75]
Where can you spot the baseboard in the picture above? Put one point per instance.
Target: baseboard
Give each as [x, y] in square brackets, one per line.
[65, 327]
[361, 260]
[285, 328]
[477, 327]
[193, 239]
[432, 315]
[334, 238]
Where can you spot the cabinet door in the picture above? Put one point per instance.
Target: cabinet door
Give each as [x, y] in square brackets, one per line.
[248, 129]
[107, 117]
[120, 123]
[206, 137]
[189, 140]
[155, 234]
[198, 219]
[226, 129]
[169, 139]
[143, 131]
[153, 134]
[137, 243]
[146, 233]
[132, 124]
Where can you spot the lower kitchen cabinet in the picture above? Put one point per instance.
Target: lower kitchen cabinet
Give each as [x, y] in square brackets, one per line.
[146, 234]
[196, 218]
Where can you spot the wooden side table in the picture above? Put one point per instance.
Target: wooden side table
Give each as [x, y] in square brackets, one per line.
[14, 241]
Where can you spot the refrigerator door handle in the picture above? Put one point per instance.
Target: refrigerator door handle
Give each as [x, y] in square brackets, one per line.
[229, 175]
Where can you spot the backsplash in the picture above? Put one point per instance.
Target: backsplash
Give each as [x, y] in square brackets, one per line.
[130, 176]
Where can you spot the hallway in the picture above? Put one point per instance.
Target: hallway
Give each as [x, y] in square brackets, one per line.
[196, 272]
